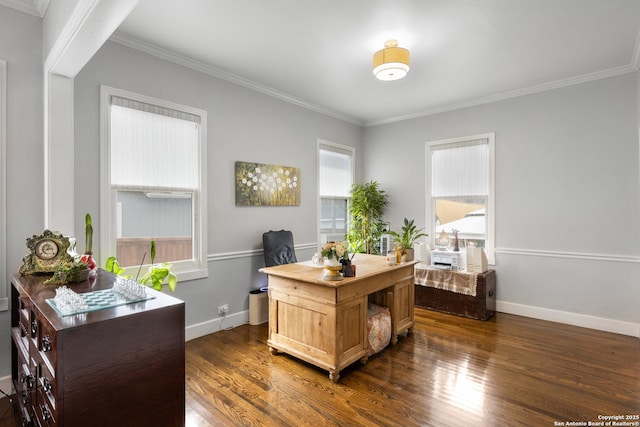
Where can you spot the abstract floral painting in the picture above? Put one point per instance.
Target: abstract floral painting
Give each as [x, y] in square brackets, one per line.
[258, 184]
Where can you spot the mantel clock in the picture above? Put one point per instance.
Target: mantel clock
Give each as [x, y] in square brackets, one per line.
[47, 252]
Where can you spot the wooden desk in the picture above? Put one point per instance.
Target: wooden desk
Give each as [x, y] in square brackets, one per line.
[325, 322]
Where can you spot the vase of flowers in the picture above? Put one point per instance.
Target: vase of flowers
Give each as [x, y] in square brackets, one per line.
[333, 254]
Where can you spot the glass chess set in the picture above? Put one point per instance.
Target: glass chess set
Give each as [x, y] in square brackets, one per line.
[125, 291]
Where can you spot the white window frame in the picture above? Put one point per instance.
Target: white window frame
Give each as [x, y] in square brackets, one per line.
[491, 200]
[352, 150]
[195, 268]
[4, 298]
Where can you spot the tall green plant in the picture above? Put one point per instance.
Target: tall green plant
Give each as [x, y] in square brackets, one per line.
[366, 211]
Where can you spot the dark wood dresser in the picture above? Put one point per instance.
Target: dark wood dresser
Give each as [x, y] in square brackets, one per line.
[119, 366]
[481, 306]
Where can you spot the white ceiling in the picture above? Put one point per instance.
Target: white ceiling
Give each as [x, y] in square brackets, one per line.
[318, 53]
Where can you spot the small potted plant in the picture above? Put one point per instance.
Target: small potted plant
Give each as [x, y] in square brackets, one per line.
[87, 257]
[410, 233]
[69, 272]
[156, 275]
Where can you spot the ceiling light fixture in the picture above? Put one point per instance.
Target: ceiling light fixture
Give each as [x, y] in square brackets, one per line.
[392, 62]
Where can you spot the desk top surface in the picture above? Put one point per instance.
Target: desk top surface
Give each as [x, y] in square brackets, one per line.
[366, 266]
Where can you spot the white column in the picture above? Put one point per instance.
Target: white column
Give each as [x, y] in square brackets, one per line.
[73, 43]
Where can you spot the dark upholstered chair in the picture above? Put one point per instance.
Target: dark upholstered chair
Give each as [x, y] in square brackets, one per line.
[278, 248]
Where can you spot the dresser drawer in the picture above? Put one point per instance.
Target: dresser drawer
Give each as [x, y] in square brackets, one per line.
[25, 386]
[24, 322]
[47, 343]
[47, 388]
[44, 413]
[76, 371]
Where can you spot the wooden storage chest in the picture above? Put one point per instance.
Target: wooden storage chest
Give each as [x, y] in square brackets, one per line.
[481, 306]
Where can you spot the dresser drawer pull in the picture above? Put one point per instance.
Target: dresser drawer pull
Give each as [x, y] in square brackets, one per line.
[31, 381]
[25, 397]
[34, 328]
[46, 413]
[28, 379]
[46, 343]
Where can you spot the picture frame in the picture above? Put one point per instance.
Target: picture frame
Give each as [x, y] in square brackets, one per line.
[259, 184]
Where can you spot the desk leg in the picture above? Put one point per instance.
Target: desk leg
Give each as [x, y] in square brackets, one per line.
[391, 303]
[334, 375]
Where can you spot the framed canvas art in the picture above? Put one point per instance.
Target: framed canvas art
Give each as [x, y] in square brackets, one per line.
[258, 184]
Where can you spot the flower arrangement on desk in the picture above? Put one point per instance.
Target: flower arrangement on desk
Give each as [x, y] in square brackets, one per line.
[334, 251]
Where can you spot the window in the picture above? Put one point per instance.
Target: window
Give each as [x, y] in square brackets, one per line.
[335, 177]
[461, 190]
[153, 179]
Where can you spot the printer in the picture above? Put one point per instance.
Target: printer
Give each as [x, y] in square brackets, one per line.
[446, 259]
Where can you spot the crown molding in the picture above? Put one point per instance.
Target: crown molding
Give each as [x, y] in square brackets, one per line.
[191, 63]
[558, 84]
[185, 61]
[32, 7]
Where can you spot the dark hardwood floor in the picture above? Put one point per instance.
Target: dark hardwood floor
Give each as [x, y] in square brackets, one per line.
[451, 371]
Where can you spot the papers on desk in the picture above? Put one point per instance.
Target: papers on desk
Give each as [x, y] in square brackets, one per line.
[310, 263]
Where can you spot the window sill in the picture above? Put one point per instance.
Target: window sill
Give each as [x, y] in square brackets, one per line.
[183, 273]
[187, 275]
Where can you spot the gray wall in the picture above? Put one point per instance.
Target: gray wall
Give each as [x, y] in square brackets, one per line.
[567, 190]
[567, 176]
[242, 125]
[21, 48]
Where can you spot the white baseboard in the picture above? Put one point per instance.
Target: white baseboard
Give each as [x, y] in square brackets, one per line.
[575, 319]
[6, 385]
[214, 325]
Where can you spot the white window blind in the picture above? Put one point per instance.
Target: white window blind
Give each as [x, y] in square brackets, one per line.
[153, 147]
[335, 174]
[460, 169]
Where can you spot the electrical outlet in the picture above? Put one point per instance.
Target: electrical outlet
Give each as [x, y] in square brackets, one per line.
[223, 309]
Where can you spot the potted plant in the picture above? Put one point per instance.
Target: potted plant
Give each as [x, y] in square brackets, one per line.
[87, 257]
[157, 273]
[69, 272]
[410, 233]
[366, 210]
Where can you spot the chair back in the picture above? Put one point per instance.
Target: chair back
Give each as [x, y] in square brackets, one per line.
[278, 248]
